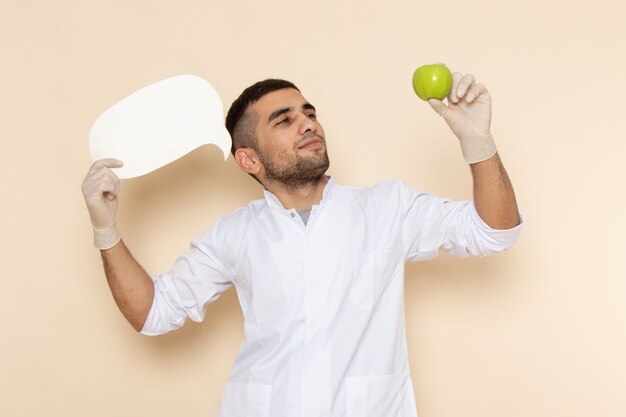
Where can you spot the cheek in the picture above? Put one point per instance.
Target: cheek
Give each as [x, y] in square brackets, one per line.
[319, 129]
[278, 144]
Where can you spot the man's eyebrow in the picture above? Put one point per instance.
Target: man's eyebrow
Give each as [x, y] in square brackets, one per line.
[279, 112]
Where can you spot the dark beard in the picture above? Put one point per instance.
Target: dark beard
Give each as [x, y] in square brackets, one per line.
[304, 172]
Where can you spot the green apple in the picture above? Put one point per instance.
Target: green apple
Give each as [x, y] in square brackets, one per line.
[432, 81]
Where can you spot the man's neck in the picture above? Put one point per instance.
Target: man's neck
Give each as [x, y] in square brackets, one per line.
[300, 198]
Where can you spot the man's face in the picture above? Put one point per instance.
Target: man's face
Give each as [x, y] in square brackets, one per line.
[291, 142]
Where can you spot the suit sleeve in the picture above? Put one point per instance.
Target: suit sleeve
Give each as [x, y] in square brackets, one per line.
[197, 278]
[432, 224]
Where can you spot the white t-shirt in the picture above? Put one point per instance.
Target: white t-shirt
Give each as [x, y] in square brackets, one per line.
[324, 330]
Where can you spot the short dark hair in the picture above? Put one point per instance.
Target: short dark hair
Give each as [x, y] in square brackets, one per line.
[238, 124]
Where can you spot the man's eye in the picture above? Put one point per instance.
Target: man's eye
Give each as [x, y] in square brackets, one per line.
[285, 120]
[313, 116]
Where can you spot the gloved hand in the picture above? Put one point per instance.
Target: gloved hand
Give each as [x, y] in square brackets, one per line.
[100, 189]
[468, 114]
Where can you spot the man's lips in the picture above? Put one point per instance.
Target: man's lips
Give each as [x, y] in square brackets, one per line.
[310, 143]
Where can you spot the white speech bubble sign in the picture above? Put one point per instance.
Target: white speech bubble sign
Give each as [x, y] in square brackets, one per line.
[159, 124]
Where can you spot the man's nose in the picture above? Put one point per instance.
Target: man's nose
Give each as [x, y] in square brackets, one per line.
[305, 124]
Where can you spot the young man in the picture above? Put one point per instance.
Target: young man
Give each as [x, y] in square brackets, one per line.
[318, 267]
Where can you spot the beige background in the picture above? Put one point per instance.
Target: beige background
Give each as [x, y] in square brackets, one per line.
[535, 332]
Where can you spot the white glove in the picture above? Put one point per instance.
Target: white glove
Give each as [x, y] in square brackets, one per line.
[468, 114]
[100, 189]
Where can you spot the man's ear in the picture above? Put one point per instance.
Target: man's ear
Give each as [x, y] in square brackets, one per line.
[248, 160]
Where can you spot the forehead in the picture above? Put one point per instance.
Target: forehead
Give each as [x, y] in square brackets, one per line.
[286, 97]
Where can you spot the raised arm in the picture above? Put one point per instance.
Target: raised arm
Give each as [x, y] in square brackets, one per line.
[493, 194]
[468, 113]
[131, 286]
